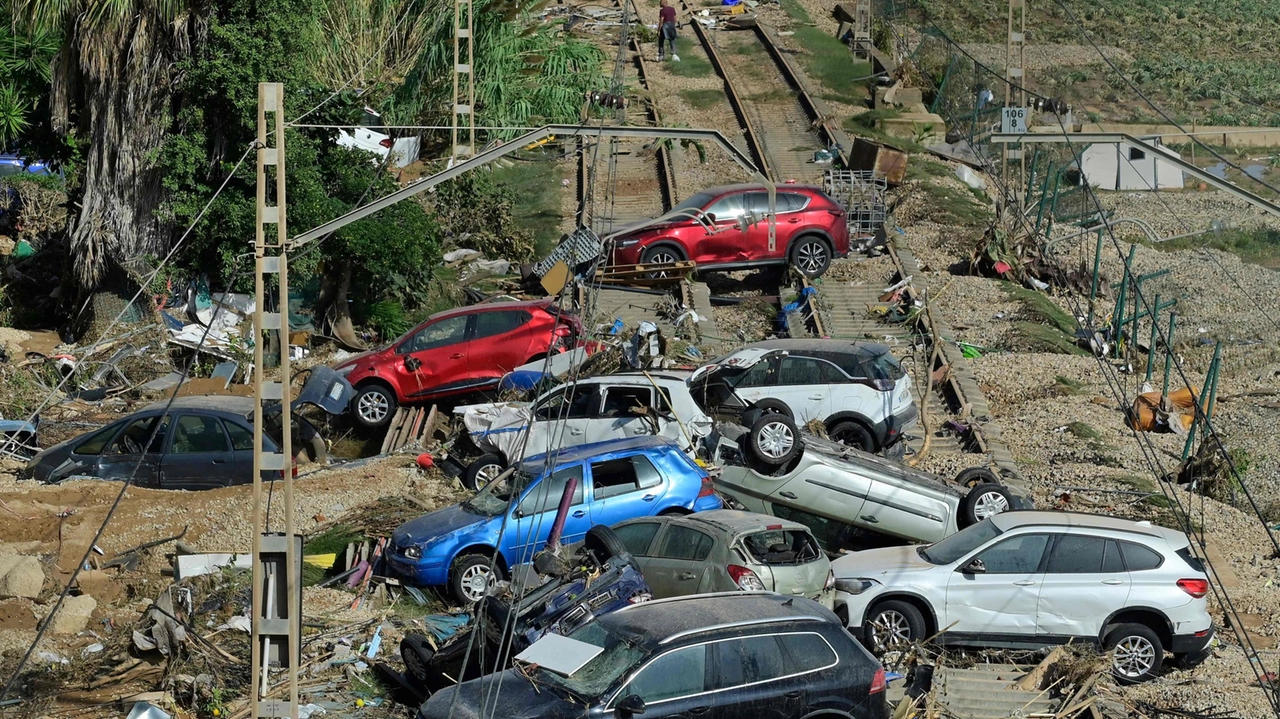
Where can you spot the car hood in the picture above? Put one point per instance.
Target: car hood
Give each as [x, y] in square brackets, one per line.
[353, 360]
[881, 565]
[519, 695]
[435, 525]
[739, 361]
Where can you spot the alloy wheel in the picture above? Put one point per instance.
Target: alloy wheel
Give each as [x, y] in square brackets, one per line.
[811, 256]
[776, 439]
[487, 474]
[989, 504]
[890, 630]
[475, 582]
[662, 257]
[373, 407]
[1133, 657]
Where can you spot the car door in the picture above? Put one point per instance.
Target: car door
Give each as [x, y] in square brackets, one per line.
[565, 418]
[242, 452]
[895, 505]
[1003, 599]
[828, 488]
[199, 455]
[625, 488]
[728, 244]
[802, 386]
[672, 684]
[536, 512]
[638, 536]
[435, 357]
[1084, 581]
[124, 458]
[498, 344]
[758, 231]
[678, 567]
[750, 678]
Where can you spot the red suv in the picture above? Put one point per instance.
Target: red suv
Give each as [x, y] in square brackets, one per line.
[811, 230]
[454, 352]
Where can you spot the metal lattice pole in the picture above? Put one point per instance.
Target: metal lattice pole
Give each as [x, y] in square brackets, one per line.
[276, 613]
[1015, 62]
[464, 80]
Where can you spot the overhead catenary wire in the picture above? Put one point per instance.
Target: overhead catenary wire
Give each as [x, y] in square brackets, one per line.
[1151, 454]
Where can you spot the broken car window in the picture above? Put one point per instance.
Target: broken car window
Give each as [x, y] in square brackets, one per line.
[959, 544]
[583, 401]
[602, 671]
[613, 477]
[761, 374]
[782, 547]
[619, 401]
[492, 500]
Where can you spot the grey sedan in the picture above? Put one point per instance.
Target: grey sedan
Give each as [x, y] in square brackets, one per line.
[727, 550]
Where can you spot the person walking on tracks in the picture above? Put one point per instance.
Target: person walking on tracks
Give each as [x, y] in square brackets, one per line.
[667, 30]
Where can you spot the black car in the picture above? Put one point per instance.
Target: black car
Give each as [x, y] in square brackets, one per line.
[199, 443]
[710, 656]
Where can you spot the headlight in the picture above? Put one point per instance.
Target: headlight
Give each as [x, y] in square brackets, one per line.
[853, 586]
[413, 552]
[344, 371]
[627, 243]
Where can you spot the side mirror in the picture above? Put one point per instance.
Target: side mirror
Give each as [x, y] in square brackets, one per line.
[711, 217]
[974, 567]
[519, 513]
[412, 363]
[629, 705]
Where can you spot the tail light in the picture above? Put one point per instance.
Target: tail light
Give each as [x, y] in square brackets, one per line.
[564, 331]
[836, 213]
[831, 581]
[387, 143]
[708, 489]
[1197, 588]
[745, 578]
[878, 682]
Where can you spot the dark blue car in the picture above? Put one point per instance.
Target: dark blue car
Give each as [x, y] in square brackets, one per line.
[617, 480]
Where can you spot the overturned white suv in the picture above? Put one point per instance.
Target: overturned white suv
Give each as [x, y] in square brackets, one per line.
[1033, 579]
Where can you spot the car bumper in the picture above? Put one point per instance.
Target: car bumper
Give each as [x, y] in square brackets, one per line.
[855, 605]
[627, 255]
[1191, 644]
[430, 571]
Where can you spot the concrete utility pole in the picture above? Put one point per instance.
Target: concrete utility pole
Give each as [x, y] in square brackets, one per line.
[1014, 97]
[276, 612]
[464, 81]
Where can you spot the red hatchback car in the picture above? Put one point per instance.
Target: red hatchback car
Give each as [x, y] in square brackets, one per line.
[454, 352]
[811, 230]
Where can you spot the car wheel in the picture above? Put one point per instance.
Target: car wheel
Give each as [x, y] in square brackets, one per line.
[775, 406]
[416, 653]
[1136, 653]
[774, 439]
[811, 256]
[603, 543]
[852, 434]
[973, 476]
[481, 472]
[472, 576]
[373, 406]
[983, 501]
[892, 626]
[660, 255]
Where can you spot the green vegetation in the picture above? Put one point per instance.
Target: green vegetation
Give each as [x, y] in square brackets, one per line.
[1035, 337]
[532, 193]
[1051, 329]
[26, 61]
[700, 99]
[1261, 247]
[1083, 430]
[1066, 386]
[1041, 307]
[692, 63]
[828, 61]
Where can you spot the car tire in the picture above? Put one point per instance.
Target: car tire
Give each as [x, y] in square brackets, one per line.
[660, 254]
[1136, 653]
[774, 439]
[373, 406]
[892, 625]
[484, 470]
[811, 256]
[416, 653]
[603, 543]
[775, 406]
[467, 574]
[986, 499]
[852, 434]
[973, 476]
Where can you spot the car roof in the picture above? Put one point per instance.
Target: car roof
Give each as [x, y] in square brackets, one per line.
[738, 522]
[678, 376]
[491, 307]
[721, 189]
[815, 345]
[612, 446]
[230, 404]
[662, 621]
[1042, 518]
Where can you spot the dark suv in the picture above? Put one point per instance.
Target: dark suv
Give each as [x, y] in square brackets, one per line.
[729, 229]
[713, 656]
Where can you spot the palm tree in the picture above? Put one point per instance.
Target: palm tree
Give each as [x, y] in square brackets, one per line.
[112, 91]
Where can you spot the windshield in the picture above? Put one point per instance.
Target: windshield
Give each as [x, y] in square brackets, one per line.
[494, 498]
[601, 672]
[959, 544]
[696, 201]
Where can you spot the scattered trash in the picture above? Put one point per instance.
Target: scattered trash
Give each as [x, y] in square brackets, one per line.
[92, 649]
[51, 658]
[147, 710]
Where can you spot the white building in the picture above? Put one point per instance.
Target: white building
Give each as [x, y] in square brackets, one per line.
[1119, 166]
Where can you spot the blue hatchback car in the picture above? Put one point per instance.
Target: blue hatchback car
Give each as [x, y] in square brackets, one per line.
[617, 480]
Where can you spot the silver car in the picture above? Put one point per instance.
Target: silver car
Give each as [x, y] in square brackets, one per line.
[727, 550]
[774, 469]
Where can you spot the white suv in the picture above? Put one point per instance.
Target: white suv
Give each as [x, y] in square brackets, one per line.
[856, 389]
[1032, 579]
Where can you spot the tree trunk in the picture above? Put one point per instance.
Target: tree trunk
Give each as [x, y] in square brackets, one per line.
[119, 82]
